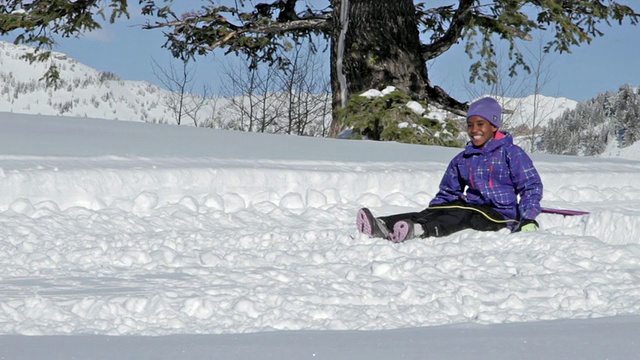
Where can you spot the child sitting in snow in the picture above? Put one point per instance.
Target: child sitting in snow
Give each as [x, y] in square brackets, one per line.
[479, 190]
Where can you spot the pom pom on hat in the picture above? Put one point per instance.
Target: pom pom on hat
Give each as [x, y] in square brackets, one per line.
[487, 108]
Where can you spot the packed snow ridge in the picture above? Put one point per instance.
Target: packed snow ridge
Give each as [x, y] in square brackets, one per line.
[120, 228]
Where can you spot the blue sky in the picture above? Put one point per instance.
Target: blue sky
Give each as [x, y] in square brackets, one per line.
[604, 65]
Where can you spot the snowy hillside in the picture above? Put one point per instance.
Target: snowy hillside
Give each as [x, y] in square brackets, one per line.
[90, 93]
[83, 91]
[534, 110]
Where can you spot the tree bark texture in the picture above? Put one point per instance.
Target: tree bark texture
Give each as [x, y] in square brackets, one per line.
[381, 47]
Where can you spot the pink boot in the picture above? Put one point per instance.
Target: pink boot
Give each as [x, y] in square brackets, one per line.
[402, 230]
[370, 225]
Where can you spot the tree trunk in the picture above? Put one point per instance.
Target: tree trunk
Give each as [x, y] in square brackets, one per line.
[375, 44]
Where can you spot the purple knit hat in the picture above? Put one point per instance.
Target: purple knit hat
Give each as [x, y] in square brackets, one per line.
[487, 108]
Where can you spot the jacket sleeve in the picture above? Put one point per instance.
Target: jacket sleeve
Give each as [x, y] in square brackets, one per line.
[527, 183]
[451, 185]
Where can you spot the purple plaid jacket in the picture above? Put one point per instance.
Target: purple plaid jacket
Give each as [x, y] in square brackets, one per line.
[495, 176]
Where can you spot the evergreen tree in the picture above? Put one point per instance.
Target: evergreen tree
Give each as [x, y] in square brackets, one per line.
[587, 129]
[389, 118]
[627, 115]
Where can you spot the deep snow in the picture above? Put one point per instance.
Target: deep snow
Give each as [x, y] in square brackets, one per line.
[129, 240]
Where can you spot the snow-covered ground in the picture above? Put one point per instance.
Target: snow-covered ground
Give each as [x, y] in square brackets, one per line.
[124, 240]
[533, 110]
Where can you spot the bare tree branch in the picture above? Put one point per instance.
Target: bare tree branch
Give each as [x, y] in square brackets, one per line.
[452, 35]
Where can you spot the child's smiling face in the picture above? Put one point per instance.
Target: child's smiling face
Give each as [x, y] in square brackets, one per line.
[480, 130]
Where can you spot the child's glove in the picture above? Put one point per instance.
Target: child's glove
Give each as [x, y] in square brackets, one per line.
[528, 225]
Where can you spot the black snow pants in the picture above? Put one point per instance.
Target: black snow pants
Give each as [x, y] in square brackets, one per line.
[446, 219]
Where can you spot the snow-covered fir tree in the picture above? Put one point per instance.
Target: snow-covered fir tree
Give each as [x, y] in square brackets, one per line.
[593, 124]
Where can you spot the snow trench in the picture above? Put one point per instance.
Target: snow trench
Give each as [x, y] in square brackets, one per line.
[144, 186]
[163, 246]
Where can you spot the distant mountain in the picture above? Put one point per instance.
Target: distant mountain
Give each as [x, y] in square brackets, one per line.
[534, 110]
[83, 91]
[86, 92]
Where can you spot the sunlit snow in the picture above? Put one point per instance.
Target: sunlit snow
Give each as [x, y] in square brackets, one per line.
[130, 229]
